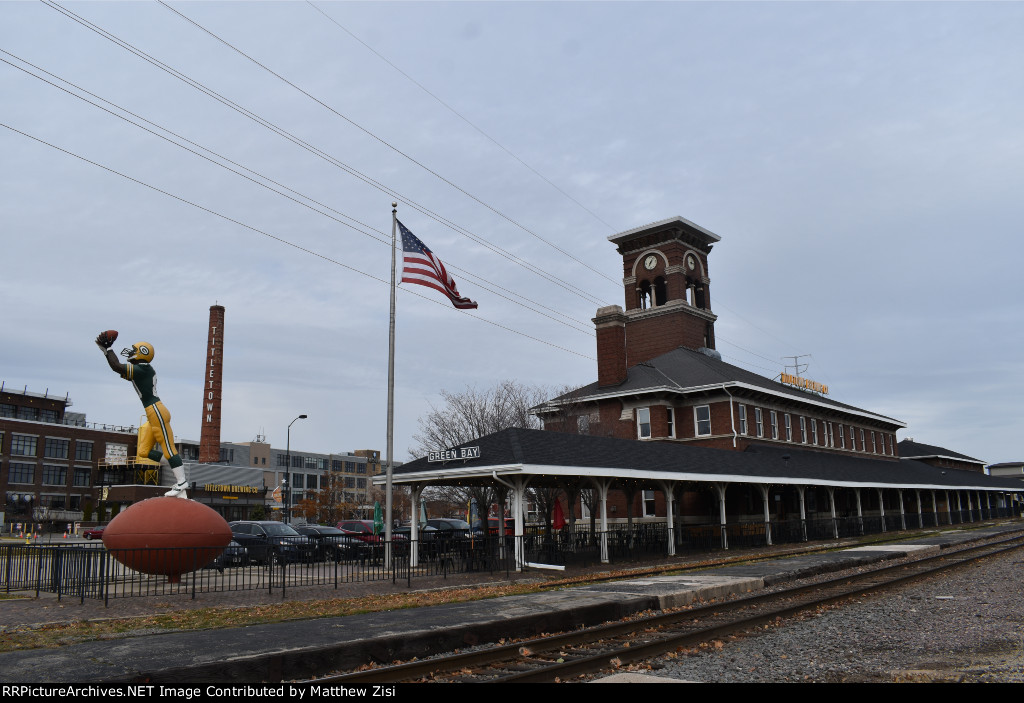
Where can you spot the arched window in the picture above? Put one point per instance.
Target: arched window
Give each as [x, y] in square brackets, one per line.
[645, 295]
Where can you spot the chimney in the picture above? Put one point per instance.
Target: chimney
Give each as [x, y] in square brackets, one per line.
[611, 345]
[209, 439]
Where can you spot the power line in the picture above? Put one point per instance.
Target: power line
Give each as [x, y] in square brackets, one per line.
[383, 239]
[386, 143]
[460, 115]
[282, 240]
[551, 278]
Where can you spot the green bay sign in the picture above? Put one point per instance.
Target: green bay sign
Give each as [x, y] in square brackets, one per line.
[462, 453]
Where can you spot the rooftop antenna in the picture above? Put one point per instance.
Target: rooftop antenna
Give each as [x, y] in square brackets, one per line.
[797, 366]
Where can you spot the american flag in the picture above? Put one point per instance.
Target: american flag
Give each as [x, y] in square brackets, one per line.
[422, 267]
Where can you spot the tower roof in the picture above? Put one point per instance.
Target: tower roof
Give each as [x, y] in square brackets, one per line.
[684, 226]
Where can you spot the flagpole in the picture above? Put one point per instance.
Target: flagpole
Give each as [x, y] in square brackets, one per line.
[391, 394]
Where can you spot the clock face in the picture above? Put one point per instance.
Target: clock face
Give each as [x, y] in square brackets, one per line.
[691, 263]
[650, 262]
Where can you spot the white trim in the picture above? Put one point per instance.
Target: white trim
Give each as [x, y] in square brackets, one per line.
[679, 390]
[598, 472]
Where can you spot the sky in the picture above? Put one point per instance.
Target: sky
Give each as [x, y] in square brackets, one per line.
[861, 163]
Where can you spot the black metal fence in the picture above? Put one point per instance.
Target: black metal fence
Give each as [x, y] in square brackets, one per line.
[82, 571]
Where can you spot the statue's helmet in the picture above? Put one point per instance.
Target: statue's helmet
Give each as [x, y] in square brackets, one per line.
[139, 352]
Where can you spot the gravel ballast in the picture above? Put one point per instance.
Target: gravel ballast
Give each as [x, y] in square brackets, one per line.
[967, 625]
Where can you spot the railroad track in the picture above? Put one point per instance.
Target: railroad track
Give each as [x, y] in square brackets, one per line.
[569, 656]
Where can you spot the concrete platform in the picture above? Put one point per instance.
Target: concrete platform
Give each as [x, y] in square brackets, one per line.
[299, 649]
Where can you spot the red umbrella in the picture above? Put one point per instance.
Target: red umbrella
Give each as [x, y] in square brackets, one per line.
[557, 517]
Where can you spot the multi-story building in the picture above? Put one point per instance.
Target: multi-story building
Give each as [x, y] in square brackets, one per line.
[53, 463]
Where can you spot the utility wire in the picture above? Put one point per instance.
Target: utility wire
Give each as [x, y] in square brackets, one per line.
[386, 143]
[459, 115]
[323, 155]
[282, 240]
[573, 323]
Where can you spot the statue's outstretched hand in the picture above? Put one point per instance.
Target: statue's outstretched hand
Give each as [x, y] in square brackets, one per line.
[105, 340]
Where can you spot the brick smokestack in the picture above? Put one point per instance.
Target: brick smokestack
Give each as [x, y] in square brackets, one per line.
[209, 439]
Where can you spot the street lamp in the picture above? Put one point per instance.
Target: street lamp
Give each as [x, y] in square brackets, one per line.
[288, 468]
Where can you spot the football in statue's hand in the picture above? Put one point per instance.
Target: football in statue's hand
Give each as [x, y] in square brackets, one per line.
[106, 339]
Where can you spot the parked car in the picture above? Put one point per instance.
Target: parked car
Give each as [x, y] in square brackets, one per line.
[267, 540]
[453, 527]
[233, 555]
[93, 532]
[332, 543]
[363, 531]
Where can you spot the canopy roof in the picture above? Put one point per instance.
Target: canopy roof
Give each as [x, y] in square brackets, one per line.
[556, 457]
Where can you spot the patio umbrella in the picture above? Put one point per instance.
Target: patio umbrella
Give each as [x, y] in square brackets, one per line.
[378, 518]
[558, 517]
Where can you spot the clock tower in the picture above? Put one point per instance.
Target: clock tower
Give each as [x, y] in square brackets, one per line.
[668, 301]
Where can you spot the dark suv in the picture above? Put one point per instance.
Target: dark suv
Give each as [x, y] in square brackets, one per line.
[266, 541]
[332, 543]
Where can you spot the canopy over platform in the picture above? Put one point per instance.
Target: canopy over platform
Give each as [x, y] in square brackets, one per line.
[553, 457]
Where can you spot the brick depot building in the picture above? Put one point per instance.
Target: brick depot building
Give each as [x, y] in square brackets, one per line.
[667, 417]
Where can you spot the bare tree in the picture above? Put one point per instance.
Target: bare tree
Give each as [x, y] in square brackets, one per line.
[466, 415]
[472, 413]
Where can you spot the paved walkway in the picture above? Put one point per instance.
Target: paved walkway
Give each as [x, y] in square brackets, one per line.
[298, 649]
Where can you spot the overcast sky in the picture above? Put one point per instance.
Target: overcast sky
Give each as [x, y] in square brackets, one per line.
[862, 163]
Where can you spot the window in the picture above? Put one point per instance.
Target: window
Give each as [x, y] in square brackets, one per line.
[743, 419]
[814, 431]
[853, 439]
[360, 483]
[23, 445]
[803, 429]
[27, 413]
[54, 475]
[842, 438]
[48, 415]
[892, 447]
[775, 424]
[8, 410]
[671, 422]
[648, 504]
[350, 466]
[789, 427]
[83, 450]
[350, 482]
[874, 446]
[298, 481]
[831, 435]
[227, 454]
[360, 468]
[311, 462]
[336, 464]
[82, 477]
[758, 422]
[702, 420]
[282, 460]
[643, 423]
[297, 462]
[22, 473]
[863, 444]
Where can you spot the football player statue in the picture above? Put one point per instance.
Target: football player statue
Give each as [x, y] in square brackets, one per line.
[157, 428]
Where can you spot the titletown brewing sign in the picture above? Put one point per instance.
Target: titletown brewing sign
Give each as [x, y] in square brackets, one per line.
[805, 383]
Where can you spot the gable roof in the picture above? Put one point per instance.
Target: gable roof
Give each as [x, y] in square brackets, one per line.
[558, 454]
[685, 371]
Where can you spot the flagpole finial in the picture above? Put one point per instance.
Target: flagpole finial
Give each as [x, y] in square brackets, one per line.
[394, 205]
